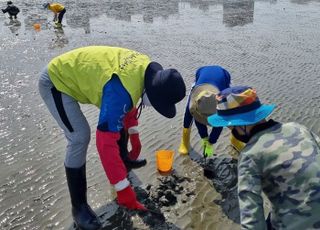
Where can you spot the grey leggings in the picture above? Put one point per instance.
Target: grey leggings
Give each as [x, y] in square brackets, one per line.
[66, 111]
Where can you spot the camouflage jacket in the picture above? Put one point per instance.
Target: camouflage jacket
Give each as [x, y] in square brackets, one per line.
[282, 161]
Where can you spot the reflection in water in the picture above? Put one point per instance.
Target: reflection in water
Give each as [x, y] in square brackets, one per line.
[79, 21]
[60, 39]
[79, 16]
[235, 12]
[202, 5]
[32, 19]
[303, 1]
[238, 13]
[149, 9]
[122, 10]
[14, 26]
[163, 9]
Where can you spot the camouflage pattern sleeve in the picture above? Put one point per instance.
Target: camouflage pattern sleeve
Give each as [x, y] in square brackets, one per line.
[249, 191]
[283, 162]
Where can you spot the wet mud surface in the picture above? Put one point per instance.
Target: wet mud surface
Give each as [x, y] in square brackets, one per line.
[271, 45]
[222, 172]
[158, 198]
[171, 188]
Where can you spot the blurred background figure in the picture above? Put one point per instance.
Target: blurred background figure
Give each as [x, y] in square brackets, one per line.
[12, 10]
[58, 9]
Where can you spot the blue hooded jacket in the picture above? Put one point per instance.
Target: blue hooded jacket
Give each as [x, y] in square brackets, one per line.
[218, 77]
[221, 77]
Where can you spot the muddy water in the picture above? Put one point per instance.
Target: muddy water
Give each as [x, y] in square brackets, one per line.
[271, 45]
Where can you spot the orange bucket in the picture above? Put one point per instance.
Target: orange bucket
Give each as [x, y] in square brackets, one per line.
[37, 26]
[164, 160]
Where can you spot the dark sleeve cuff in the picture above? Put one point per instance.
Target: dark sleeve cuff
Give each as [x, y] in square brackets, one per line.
[214, 135]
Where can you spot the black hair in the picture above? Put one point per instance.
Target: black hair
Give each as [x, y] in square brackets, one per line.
[9, 3]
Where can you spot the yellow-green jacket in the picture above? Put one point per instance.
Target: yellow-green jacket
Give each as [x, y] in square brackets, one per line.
[83, 72]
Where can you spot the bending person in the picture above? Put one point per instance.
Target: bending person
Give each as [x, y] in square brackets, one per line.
[114, 79]
[201, 104]
[58, 10]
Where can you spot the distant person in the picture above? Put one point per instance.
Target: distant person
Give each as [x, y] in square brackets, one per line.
[58, 9]
[113, 79]
[209, 81]
[12, 10]
[280, 159]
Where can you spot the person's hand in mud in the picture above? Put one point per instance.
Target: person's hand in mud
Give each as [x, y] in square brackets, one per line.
[208, 149]
[115, 169]
[127, 198]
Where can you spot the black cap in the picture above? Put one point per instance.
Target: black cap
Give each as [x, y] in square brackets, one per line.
[164, 89]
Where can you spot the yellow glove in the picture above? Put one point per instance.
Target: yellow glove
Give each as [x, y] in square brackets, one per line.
[208, 149]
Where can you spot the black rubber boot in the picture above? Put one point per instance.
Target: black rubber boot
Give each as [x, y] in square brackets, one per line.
[123, 146]
[83, 215]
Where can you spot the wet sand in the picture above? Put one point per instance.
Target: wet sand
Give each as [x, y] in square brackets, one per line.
[271, 45]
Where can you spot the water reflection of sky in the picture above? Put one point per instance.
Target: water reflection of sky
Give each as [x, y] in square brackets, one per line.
[233, 12]
[86, 17]
[239, 12]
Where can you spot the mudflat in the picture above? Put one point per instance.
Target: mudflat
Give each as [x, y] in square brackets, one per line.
[270, 45]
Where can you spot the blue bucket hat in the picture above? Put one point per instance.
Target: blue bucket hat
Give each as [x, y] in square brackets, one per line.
[164, 89]
[237, 106]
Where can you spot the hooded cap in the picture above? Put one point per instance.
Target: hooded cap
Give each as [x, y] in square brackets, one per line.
[164, 89]
[203, 102]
